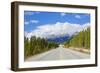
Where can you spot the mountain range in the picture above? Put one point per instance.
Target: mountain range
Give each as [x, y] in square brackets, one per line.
[59, 39]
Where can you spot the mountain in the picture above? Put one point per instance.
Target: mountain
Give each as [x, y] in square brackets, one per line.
[59, 39]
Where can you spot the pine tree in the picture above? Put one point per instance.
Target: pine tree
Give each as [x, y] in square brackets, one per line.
[81, 40]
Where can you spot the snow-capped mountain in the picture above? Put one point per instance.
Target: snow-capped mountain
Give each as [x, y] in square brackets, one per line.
[59, 39]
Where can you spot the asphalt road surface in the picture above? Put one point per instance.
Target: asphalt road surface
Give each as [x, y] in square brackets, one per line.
[59, 53]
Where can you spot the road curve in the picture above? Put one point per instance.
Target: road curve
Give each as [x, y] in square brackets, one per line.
[59, 54]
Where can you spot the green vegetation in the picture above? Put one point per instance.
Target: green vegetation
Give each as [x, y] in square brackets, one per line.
[81, 40]
[36, 45]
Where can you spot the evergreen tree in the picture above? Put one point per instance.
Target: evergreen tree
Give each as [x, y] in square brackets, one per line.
[36, 45]
[81, 40]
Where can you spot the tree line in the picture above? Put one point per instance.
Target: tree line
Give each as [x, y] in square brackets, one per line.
[81, 40]
[36, 45]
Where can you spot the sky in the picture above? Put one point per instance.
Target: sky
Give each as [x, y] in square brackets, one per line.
[53, 24]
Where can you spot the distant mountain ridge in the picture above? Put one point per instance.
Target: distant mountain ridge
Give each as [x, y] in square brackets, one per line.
[63, 38]
[59, 39]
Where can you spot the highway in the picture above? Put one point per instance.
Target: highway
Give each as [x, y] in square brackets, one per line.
[59, 53]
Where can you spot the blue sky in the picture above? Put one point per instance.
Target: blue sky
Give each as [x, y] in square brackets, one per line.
[42, 18]
[43, 23]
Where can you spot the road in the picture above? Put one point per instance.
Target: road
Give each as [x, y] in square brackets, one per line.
[59, 53]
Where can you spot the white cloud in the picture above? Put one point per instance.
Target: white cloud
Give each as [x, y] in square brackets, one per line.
[63, 14]
[37, 12]
[34, 21]
[77, 16]
[26, 22]
[31, 21]
[58, 29]
[25, 33]
[31, 13]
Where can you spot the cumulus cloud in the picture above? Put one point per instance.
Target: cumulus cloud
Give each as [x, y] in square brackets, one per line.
[31, 21]
[25, 33]
[34, 21]
[57, 29]
[77, 16]
[63, 14]
[37, 12]
[30, 13]
[26, 22]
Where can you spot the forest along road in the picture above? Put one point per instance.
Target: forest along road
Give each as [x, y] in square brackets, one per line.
[59, 53]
